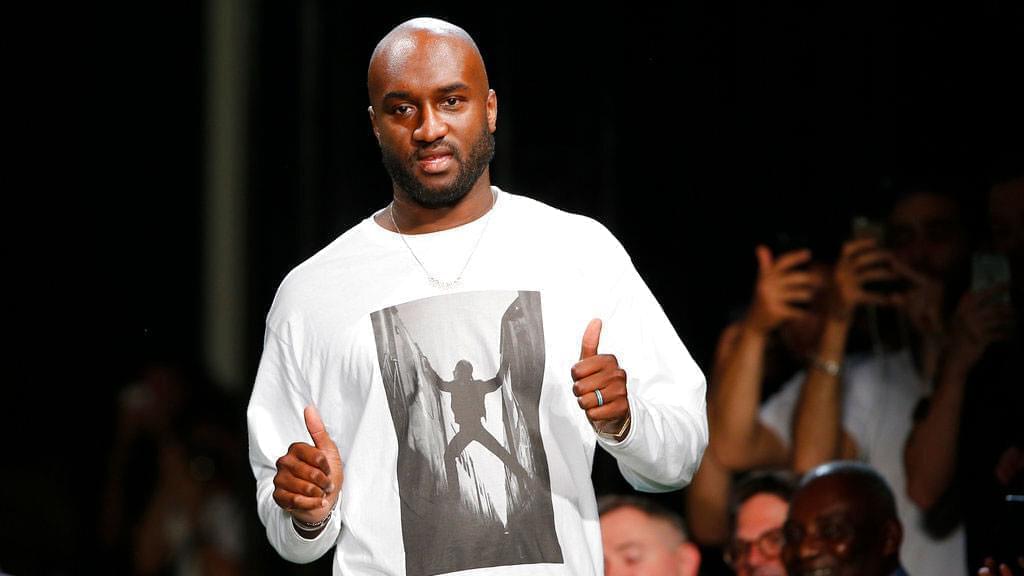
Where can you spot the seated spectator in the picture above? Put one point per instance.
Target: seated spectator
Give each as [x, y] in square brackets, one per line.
[842, 522]
[641, 537]
[759, 509]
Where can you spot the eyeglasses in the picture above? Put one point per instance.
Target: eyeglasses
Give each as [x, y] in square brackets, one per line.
[769, 544]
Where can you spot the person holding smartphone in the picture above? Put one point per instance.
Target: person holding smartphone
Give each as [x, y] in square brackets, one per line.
[977, 399]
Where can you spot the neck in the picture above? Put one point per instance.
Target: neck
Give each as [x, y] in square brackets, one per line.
[413, 218]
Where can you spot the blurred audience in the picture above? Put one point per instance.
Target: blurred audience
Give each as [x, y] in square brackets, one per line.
[842, 522]
[642, 538]
[170, 503]
[896, 281]
[978, 398]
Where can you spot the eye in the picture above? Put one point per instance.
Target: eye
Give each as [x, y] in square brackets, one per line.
[451, 102]
[402, 110]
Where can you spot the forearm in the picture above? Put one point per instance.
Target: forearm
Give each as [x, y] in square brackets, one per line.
[707, 502]
[817, 426]
[735, 397]
[664, 446]
[931, 451]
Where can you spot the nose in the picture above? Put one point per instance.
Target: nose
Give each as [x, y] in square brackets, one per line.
[432, 126]
[809, 546]
[755, 557]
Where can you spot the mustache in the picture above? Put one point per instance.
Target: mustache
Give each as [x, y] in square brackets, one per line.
[437, 147]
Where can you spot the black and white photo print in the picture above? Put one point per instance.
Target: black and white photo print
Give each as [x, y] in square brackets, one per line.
[463, 374]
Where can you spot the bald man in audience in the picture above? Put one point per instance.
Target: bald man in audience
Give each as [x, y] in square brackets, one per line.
[842, 522]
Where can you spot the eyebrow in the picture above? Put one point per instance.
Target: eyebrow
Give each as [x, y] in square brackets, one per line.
[446, 89]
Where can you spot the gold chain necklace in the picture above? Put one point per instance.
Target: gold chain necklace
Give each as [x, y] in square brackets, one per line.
[431, 279]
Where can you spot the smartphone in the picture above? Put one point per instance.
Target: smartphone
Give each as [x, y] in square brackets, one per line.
[863, 227]
[989, 269]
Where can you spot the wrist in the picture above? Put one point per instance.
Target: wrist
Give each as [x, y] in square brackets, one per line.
[311, 530]
[753, 329]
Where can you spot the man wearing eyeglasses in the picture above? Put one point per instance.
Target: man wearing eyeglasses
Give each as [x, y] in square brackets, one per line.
[760, 503]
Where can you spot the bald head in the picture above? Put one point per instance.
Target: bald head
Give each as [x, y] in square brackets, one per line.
[412, 41]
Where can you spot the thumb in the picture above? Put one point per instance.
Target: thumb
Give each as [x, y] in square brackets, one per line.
[317, 431]
[591, 339]
[764, 258]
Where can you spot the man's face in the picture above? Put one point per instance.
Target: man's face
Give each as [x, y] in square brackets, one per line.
[637, 545]
[926, 232]
[827, 533]
[433, 116]
[759, 524]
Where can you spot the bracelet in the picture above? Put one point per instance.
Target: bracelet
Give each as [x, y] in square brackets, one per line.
[311, 526]
[617, 436]
[830, 367]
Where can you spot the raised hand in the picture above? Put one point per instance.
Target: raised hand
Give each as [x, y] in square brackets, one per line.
[309, 478]
[981, 318]
[861, 261]
[601, 373]
[781, 287]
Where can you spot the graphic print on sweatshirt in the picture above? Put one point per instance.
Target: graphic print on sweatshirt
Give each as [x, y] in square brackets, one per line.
[463, 375]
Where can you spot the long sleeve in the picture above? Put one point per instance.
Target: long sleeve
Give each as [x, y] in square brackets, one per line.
[666, 388]
[275, 422]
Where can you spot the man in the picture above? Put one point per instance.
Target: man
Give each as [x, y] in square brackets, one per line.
[464, 274]
[642, 538]
[760, 505]
[842, 521]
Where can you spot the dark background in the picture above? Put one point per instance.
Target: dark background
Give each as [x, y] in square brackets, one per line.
[691, 131]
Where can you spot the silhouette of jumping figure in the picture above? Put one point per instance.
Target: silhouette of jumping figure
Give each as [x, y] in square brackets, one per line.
[468, 405]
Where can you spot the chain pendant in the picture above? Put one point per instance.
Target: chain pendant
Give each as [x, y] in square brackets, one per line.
[444, 284]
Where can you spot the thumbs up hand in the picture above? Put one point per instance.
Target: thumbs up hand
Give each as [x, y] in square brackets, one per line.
[600, 384]
[309, 478]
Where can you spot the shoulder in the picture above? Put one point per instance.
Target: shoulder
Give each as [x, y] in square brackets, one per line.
[562, 227]
[302, 288]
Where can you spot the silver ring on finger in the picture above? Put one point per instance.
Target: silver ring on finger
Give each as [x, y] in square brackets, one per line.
[600, 397]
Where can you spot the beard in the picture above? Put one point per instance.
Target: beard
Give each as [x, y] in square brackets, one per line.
[469, 171]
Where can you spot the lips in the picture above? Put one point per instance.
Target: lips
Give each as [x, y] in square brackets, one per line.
[435, 163]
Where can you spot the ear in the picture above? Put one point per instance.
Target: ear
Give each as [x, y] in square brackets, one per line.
[373, 123]
[687, 559]
[492, 111]
[893, 537]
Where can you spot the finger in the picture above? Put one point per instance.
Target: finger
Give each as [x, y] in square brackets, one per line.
[589, 400]
[311, 455]
[854, 247]
[790, 313]
[764, 259]
[293, 501]
[609, 381]
[799, 295]
[870, 259]
[614, 410]
[309, 471]
[293, 484]
[791, 260]
[801, 279]
[590, 366]
[591, 339]
[318, 432]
